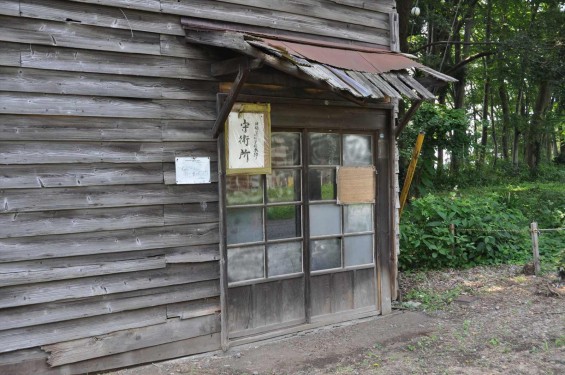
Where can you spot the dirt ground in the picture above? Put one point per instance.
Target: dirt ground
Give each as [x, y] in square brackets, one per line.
[486, 320]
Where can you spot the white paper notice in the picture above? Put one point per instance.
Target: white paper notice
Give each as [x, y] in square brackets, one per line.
[246, 140]
[192, 170]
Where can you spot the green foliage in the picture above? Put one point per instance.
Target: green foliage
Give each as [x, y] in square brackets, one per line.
[490, 228]
[486, 232]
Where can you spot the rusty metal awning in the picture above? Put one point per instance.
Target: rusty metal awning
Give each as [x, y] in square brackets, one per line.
[358, 73]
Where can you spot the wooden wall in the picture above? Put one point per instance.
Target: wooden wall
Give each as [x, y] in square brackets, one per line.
[104, 261]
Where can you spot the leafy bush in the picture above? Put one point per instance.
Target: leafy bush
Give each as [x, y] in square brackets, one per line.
[486, 232]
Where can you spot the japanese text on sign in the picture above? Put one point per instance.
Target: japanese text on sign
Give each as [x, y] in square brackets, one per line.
[246, 140]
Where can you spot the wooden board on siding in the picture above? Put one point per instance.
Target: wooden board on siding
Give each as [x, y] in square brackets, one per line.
[80, 221]
[10, 54]
[94, 196]
[78, 36]
[87, 270]
[191, 213]
[355, 185]
[95, 15]
[377, 5]
[194, 309]
[364, 288]
[75, 105]
[150, 5]
[320, 294]
[275, 20]
[79, 60]
[200, 344]
[93, 84]
[240, 307]
[120, 341]
[92, 286]
[33, 315]
[342, 291]
[10, 7]
[29, 337]
[105, 152]
[75, 175]
[57, 246]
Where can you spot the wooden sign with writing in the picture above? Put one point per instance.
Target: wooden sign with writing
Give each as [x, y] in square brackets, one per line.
[248, 139]
[355, 185]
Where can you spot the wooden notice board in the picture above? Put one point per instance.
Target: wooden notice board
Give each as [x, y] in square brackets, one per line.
[356, 185]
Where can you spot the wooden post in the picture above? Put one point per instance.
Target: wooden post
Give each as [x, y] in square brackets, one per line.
[535, 246]
[411, 170]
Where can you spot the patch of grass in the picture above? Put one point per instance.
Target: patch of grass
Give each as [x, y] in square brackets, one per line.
[432, 300]
[560, 341]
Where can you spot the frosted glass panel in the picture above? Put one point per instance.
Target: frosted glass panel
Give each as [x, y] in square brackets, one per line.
[358, 250]
[283, 222]
[358, 218]
[357, 150]
[325, 254]
[243, 190]
[324, 149]
[321, 184]
[244, 225]
[283, 185]
[325, 219]
[245, 263]
[285, 149]
[284, 258]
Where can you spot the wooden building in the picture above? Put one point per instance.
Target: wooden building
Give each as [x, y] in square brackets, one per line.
[105, 260]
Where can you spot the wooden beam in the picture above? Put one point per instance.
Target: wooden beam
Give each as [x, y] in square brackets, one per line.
[407, 116]
[230, 66]
[242, 75]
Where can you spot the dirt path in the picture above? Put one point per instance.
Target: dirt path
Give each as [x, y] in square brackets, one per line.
[478, 321]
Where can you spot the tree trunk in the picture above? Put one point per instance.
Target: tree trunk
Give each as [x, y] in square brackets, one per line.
[493, 124]
[504, 103]
[403, 8]
[534, 139]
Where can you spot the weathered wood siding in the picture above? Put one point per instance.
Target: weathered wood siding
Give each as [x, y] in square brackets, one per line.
[104, 261]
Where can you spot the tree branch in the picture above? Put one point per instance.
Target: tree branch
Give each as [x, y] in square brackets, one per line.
[453, 42]
[466, 61]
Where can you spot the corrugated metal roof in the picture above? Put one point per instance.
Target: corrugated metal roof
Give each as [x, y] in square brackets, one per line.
[361, 73]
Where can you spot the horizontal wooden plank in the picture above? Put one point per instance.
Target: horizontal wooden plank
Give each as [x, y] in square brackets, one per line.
[80, 221]
[32, 315]
[10, 7]
[22, 295]
[85, 270]
[10, 54]
[27, 200]
[68, 245]
[150, 5]
[192, 254]
[104, 152]
[73, 105]
[386, 6]
[73, 128]
[177, 46]
[93, 84]
[169, 173]
[193, 309]
[75, 175]
[124, 341]
[80, 60]
[86, 14]
[322, 9]
[191, 213]
[22, 338]
[303, 23]
[33, 31]
[183, 348]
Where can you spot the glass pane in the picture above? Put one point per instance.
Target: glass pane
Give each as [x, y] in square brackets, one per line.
[358, 218]
[243, 190]
[283, 222]
[283, 185]
[284, 258]
[321, 184]
[326, 254]
[357, 150]
[244, 225]
[285, 149]
[324, 149]
[325, 219]
[358, 250]
[245, 263]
